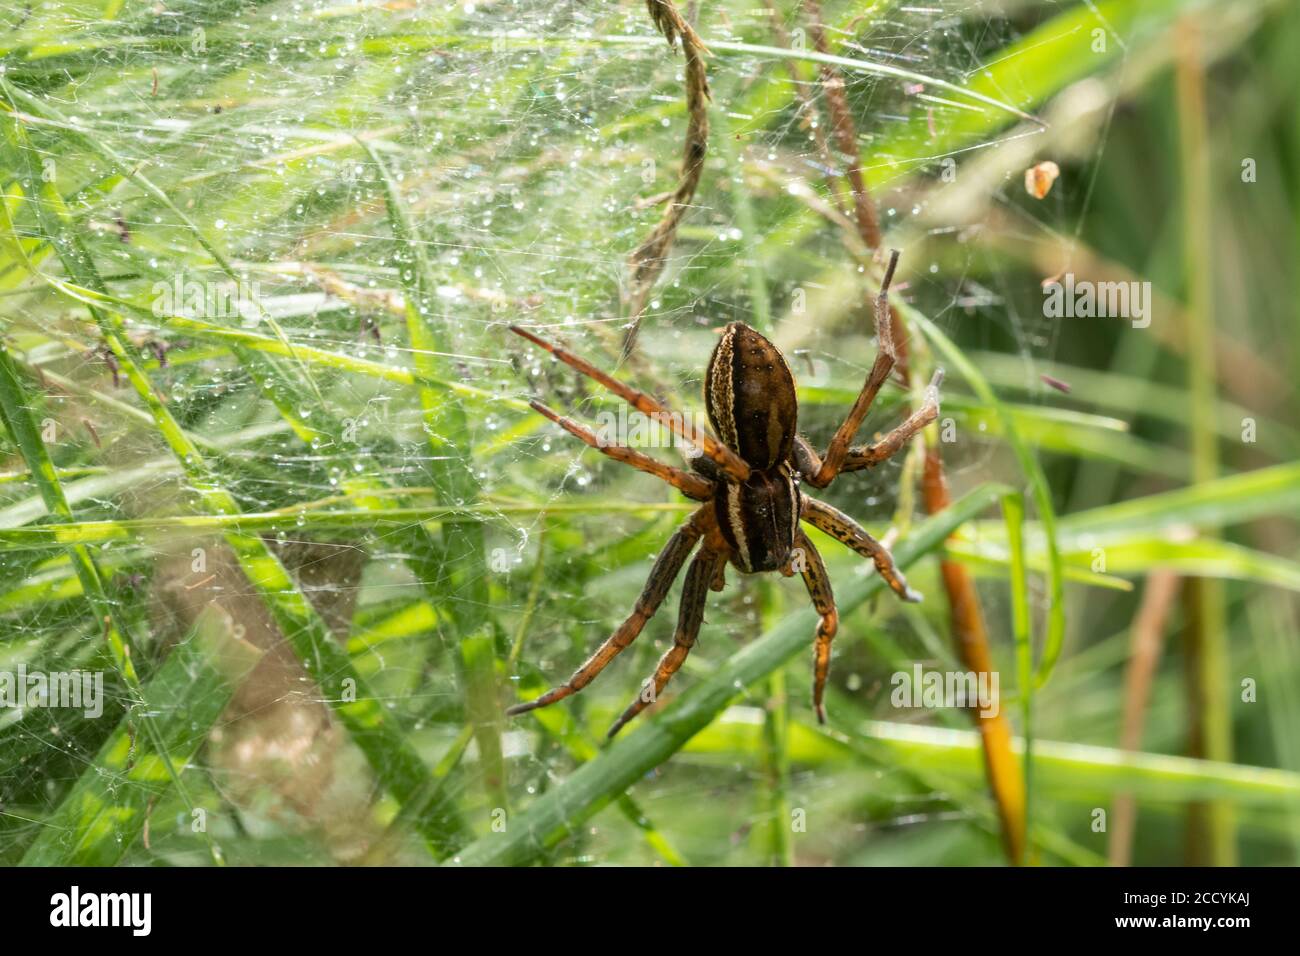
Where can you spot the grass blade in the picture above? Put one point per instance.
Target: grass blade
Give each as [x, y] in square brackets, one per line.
[108, 806]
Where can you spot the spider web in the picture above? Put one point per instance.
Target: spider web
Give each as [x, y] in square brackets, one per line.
[527, 142]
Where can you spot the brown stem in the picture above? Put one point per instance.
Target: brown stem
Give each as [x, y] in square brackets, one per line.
[647, 260]
[1005, 777]
[846, 134]
[1147, 639]
[808, 107]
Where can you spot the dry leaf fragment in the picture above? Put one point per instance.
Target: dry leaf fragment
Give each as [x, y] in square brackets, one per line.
[1039, 179]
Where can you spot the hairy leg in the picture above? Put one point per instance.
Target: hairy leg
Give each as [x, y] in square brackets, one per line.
[690, 484]
[818, 583]
[690, 614]
[665, 571]
[847, 531]
[880, 369]
[726, 459]
[868, 456]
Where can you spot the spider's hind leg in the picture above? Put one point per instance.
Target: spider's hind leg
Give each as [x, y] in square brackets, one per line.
[830, 465]
[818, 583]
[868, 456]
[665, 571]
[689, 617]
[809, 464]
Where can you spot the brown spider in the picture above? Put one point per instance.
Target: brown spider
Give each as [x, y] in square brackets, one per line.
[749, 483]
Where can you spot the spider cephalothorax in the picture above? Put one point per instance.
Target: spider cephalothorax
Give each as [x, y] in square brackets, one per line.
[748, 479]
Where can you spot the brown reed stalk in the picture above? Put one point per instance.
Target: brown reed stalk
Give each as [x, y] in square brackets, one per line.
[808, 108]
[1148, 636]
[1006, 778]
[842, 125]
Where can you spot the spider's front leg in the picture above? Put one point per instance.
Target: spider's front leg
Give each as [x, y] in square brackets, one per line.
[868, 456]
[808, 462]
[665, 571]
[818, 583]
[688, 483]
[847, 531]
[702, 572]
[821, 472]
[726, 459]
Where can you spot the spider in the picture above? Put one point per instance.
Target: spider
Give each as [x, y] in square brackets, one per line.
[749, 485]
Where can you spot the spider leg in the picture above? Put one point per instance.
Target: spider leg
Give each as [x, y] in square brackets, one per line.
[818, 583]
[689, 616]
[834, 459]
[727, 459]
[691, 485]
[806, 460]
[719, 577]
[847, 531]
[665, 571]
[868, 456]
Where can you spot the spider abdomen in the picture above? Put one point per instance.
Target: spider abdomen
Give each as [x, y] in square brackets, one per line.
[750, 396]
[759, 519]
